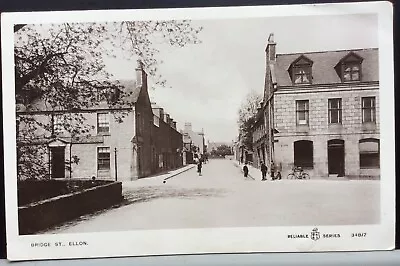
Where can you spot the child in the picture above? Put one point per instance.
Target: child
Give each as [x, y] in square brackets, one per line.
[245, 170]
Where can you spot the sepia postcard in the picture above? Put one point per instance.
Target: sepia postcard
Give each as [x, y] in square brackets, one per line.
[199, 130]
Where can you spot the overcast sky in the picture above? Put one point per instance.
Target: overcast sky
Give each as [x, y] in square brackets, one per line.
[210, 80]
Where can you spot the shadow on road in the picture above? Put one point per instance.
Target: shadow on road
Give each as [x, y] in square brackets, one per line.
[141, 195]
[145, 194]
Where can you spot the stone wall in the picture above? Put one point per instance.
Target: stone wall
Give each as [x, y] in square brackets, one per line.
[47, 213]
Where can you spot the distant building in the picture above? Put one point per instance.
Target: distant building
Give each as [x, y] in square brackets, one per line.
[194, 142]
[321, 111]
[197, 138]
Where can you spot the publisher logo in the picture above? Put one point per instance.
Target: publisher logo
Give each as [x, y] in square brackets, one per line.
[315, 235]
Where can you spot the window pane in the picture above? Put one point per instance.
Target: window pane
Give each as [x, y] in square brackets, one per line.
[58, 123]
[334, 117]
[303, 153]
[302, 116]
[103, 123]
[297, 79]
[103, 158]
[369, 147]
[347, 76]
[355, 76]
[369, 160]
[367, 115]
[302, 74]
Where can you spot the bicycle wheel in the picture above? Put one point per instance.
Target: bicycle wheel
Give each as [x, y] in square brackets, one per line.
[291, 176]
[305, 176]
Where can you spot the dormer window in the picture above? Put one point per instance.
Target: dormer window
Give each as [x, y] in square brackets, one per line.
[351, 72]
[301, 71]
[349, 68]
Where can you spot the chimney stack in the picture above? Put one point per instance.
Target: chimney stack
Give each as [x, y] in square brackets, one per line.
[141, 76]
[188, 127]
[271, 48]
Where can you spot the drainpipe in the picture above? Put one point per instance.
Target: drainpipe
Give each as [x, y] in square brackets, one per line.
[70, 159]
[115, 164]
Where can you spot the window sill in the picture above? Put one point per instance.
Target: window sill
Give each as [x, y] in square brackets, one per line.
[306, 168]
[335, 126]
[369, 167]
[104, 134]
[302, 128]
[368, 126]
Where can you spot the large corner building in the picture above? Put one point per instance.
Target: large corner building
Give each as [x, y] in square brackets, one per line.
[321, 112]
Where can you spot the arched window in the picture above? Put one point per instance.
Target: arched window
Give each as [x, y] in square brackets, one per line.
[304, 153]
[369, 153]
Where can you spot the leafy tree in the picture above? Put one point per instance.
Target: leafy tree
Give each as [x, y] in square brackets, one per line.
[246, 121]
[62, 64]
[224, 150]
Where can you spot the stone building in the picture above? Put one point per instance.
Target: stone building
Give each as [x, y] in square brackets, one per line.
[168, 140]
[259, 137]
[321, 111]
[124, 149]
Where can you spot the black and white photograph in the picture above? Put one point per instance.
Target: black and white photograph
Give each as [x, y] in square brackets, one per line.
[201, 130]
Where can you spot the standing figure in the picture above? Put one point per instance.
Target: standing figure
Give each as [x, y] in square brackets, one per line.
[245, 170]
[272, 170]
[264, 170]
[199, 165]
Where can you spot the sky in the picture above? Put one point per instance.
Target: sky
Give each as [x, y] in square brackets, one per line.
[207, 82]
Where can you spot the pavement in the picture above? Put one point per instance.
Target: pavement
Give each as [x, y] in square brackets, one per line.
[222, 197]
[254, 172]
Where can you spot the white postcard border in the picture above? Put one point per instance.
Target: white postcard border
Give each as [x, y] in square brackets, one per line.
[212, 240]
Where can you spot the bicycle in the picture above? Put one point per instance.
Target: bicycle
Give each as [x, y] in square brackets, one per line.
[298, 173]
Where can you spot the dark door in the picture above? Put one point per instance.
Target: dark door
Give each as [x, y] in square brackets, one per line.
[336, 157]
[58, 162]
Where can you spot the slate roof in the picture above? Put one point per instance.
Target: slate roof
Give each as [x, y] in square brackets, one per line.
[323, 68]
[129, 86]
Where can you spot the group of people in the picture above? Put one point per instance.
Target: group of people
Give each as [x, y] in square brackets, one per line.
[264, 170]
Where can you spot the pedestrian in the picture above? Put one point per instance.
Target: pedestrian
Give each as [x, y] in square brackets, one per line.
[272, 170]
[264, 170]
[245, 170]
[278, 169]
[199, 165]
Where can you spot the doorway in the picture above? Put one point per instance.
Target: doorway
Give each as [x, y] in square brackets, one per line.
[336, 157]
[58, 162]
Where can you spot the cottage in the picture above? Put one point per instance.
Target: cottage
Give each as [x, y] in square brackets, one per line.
[120, 142]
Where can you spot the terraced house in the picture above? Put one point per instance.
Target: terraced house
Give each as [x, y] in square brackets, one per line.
[321, 112]
[141, 144]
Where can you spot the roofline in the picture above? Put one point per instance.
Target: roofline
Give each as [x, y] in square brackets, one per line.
[330, 51]
[94, 110]
[329, 85]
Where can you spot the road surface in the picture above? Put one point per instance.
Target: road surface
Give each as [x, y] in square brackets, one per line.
[222, 197]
